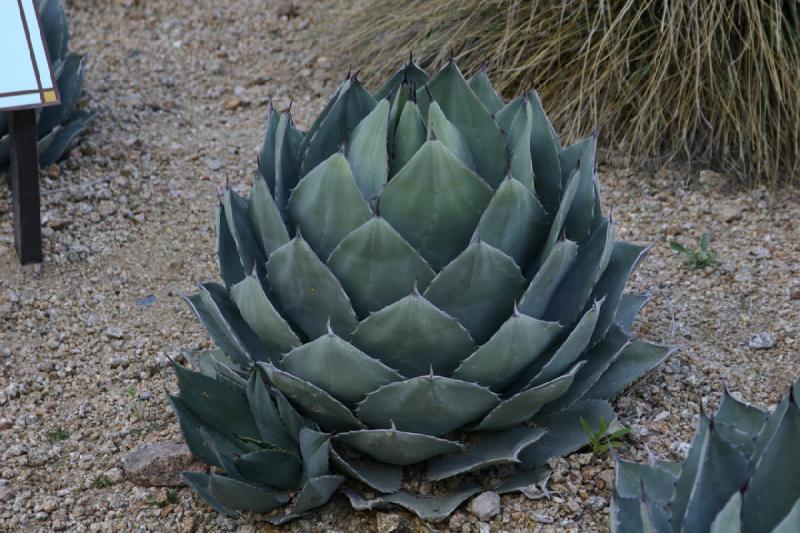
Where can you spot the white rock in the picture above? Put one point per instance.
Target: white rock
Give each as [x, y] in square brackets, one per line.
[485, 505]
[761, 341]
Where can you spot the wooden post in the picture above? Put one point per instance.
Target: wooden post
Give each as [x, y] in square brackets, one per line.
[25, 186]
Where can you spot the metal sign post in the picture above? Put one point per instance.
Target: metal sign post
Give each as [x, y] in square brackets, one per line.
[26, 83]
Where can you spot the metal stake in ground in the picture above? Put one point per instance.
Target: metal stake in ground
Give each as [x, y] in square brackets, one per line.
[26, 83]
[25, 186]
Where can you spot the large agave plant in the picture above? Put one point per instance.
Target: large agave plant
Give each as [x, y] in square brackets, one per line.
[742, 474]
[424, 277]
[58, 126]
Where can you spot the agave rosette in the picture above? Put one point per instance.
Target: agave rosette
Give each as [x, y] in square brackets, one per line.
[424, 277]
[741, 475]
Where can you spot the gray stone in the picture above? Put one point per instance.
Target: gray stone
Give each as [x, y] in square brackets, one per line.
[160, 464]
[485, 505]
[761, 341]
[388, 523]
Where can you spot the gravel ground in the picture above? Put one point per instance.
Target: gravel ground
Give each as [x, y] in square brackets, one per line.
[181, 89]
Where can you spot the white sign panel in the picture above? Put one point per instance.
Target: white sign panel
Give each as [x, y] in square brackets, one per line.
[26, 79]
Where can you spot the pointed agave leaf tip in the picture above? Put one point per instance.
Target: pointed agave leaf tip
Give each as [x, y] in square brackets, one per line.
[476, 238]
[410, 57]
[450, 55]
[349, 72]
[343, 147]
[298, 236]
[430, 372]
[433, 135]
[355, 75]
[415, 289]
[412, 92]
[515, 312]
[330, 329]
[393, 426]
[485, 66]
[378, 207]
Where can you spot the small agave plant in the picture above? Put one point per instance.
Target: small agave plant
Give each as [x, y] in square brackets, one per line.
[58, 126]
[422, 279]
[742, 475]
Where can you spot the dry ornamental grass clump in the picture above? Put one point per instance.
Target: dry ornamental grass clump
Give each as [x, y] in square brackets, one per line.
[713, 82]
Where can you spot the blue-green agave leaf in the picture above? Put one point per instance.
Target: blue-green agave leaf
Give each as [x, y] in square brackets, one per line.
[275, 468]
[545, 150]
[518, 140]
[412, 336]
[397, 447]
[377, 267]
[308, 292]
[312, 401]
[266, 414]
[492, 449]
[433, 508]
[435, 203]
[327, 205]
[375, 474]
[265, 219]
[262, 317]
[483, 89]
[478, 288]
[636, 359]
[339, 368]
[432, 405]
[443, 130]
[367, 152]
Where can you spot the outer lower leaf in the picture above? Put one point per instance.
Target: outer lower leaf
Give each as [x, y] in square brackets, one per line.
[722, 471]
[443, 130]
[626, 516]
[581, 214]
[467, 113]
[312, 401]
[63, 140]
[478, 288]
[265, 218]
[505, 115]
[624, 259]
[545, 150]
[367, 151]
[287, 163]
[483, 89]
[409, 73]
[293, 420]
[230, 266]
[315, 449]
[775, 485]
[308, 292]
[493, 449]
[636, 359]
[572, 294]
[427, 404]
[433, 509]
[768, 431]
[222, 406]
[266, 156]
[514, 222]
[571, 349]
[203, 440]
[312, 131]
[376, 475]
[597, 359]
[265, 413]
[397, 447]
[244, 496]
[377, 267]
[409, 136]
[527, 482]
[564, 432]
[327, 205]
[537, 296]
[629, 307]
[338, 368]
[516, 344]
[413, 336]
[316, 492]
[276, 468]
[524, 405]
[518, 140]
[259, 313]
[729, 519]
[199, 482]
[435, 203]
[349, 108]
